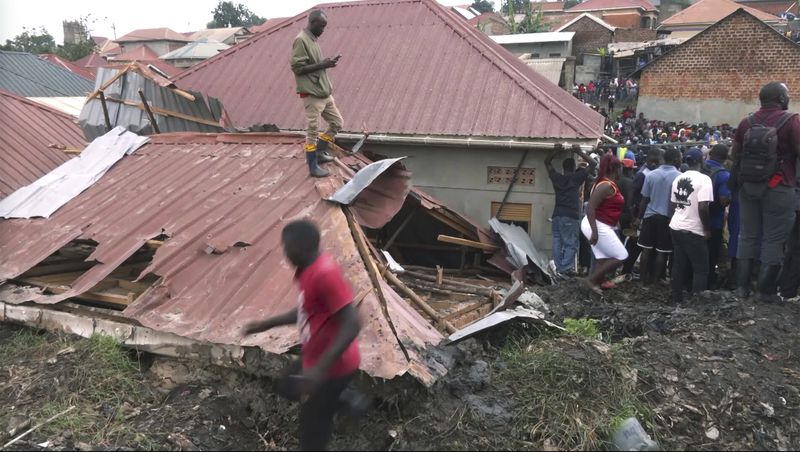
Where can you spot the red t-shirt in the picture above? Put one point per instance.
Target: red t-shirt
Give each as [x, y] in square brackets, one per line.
[788, 137]
[324, 292]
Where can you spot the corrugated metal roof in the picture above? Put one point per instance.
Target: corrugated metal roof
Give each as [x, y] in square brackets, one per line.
[267, 24]
[588, 16]
[218, 34]
[26, 131]
[712, 11]
[123, 103]
[139, 53]
[548, 6]
[219, 190]
[69, 105]
[153, 34]
[27, 75]
[549, 67]
[409, 67]
[602, 5]
[528, 38]
[68, 65]
[198, 50]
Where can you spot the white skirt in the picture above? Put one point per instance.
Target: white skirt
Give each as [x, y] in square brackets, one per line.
[608, 244]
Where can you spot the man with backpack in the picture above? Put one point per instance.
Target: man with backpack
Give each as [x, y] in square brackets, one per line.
[765, 150]
[719, 175]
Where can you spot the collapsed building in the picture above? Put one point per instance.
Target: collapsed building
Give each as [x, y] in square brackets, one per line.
[170, 241]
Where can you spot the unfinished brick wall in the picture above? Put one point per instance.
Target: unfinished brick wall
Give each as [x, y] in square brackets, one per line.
[589, 36]
[624, 20]
[637, 35]
[729, 61]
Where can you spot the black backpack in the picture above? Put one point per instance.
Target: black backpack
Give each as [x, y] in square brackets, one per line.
[759, 156]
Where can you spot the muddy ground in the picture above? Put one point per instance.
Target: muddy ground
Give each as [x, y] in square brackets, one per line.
[714, 373]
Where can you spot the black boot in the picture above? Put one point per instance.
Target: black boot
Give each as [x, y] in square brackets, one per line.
[313, 166]
[322, 152]
[743, 268]
[767, 288]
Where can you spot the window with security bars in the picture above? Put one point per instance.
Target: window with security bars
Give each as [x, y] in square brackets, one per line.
[514, 213]
[504, 175]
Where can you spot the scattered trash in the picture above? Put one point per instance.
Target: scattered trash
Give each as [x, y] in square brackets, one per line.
[712, 433]
[769, 410]
[631, 436]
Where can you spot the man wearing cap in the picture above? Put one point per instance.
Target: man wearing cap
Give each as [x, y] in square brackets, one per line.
[690, 226]
[566, 212]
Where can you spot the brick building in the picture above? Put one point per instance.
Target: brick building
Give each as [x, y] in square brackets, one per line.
[705, 13]
[715, 76]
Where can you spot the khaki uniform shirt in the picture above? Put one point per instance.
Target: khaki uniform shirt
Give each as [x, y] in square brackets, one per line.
[305, 51]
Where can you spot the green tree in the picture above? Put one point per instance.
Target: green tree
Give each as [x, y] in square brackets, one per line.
[533, 21]
[32, 41]
[570, 3]
[228, 14]
[518, 5]
[483, 6]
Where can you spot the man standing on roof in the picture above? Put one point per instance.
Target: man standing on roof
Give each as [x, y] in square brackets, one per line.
[316, 91]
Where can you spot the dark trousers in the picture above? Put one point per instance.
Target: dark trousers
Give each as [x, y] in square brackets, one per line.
[634, 250]
[766, 220]
[790, 274]
[318, 410]
[714, 249]
[689, 254]
[317, 413]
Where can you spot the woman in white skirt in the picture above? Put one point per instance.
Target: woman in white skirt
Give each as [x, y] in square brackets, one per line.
[602, 216]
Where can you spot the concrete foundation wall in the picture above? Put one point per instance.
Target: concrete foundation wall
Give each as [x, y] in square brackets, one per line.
[464, 186]
[712, 111]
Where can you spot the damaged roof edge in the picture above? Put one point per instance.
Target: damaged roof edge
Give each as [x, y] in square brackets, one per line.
[586, 144]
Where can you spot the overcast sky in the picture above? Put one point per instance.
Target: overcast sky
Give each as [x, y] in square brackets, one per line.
[124, 16]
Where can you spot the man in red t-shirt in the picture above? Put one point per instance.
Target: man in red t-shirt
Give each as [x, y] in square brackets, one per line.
[328, 326]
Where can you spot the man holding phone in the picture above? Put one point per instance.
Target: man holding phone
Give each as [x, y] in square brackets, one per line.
[316, 91]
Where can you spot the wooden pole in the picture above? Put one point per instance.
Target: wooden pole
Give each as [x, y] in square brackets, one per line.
[420, 302]
[149, 113]
[403, 225]
[105, 111]
[450, 282]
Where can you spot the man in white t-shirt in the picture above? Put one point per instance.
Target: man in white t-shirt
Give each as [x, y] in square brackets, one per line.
[692, 194]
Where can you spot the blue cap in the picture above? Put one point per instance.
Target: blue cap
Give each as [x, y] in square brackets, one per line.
[693, 155]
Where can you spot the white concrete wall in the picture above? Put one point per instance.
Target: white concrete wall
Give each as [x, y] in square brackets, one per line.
[458, 177]
[544, 49]
[711, 111]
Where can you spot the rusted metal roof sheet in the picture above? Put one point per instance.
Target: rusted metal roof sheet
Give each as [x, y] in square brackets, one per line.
[409, 67]
[712, 11]
[218, 190]
[27, 129]
[603, 5]
[153, 34]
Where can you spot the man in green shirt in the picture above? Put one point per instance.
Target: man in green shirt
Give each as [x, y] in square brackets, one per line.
[314, 88]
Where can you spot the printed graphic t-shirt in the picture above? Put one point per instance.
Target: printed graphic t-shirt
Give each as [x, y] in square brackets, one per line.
[324, 292]
[688, 191]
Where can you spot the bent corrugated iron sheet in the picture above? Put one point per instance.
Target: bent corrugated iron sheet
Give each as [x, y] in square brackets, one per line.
[175, 110]
[225, 190]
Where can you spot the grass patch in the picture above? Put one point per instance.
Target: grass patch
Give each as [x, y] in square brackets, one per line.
[95, 375]
[570, 393]
[586, 328]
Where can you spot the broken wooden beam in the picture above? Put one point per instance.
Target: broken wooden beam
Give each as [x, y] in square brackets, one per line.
[466, 242]
[436, 279]
[420, 302]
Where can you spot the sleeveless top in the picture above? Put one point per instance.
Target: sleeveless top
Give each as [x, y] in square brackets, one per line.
[610, 209]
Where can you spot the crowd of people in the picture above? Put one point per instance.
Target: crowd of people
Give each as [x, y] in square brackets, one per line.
[605, 91]
[668, 195]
